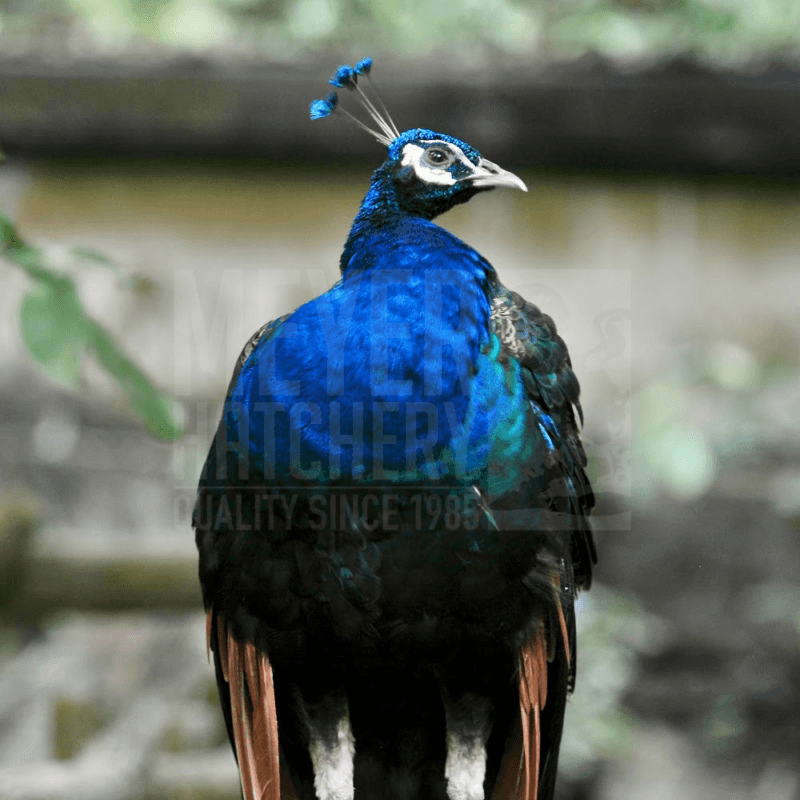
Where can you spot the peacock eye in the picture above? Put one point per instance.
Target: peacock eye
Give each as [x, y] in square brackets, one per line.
[438, 157]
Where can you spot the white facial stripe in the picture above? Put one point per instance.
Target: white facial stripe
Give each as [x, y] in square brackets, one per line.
[412, 155]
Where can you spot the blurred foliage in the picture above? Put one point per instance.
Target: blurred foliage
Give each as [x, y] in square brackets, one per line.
[613, 631]
[58, 333]
[720, 31]
[720, 406]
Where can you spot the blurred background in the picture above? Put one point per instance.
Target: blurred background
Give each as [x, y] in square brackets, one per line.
[164, 193]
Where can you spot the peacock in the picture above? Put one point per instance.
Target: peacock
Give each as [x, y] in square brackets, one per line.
[393, 518]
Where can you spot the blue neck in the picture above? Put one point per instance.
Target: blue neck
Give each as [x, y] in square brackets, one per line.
[395, 195]
[379, 210]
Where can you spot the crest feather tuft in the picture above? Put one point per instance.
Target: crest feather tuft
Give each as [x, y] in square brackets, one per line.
[344, 78]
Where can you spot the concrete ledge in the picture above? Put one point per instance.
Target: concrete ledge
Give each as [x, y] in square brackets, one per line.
[107, 571]
[588, 114]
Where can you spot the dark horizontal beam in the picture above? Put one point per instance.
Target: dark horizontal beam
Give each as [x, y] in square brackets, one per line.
[676, 117]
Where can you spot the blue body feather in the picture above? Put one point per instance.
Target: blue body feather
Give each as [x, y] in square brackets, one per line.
[350, 360]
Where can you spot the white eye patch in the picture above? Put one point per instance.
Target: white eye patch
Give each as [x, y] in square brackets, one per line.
[412, 156]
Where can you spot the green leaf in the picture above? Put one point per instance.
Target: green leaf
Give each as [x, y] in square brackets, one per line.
[57, 331]
[52, 321]
[15, 250]
[10, 237]
[95, 256]
[160, 412]
[53, 328]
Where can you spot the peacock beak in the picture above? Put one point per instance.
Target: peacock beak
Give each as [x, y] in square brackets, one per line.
[490, 175]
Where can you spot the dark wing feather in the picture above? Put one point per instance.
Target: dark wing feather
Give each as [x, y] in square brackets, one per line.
[530, 336]
[243, 672]
[547, 659]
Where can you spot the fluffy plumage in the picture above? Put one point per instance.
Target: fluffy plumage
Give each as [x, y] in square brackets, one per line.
[393, 517]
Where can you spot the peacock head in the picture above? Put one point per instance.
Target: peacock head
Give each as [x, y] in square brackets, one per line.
[426, 172]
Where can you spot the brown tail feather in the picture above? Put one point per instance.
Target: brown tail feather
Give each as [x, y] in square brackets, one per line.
[561, 619]
[507, 786]
[254, 722]
[519, 772]
[209, 622]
